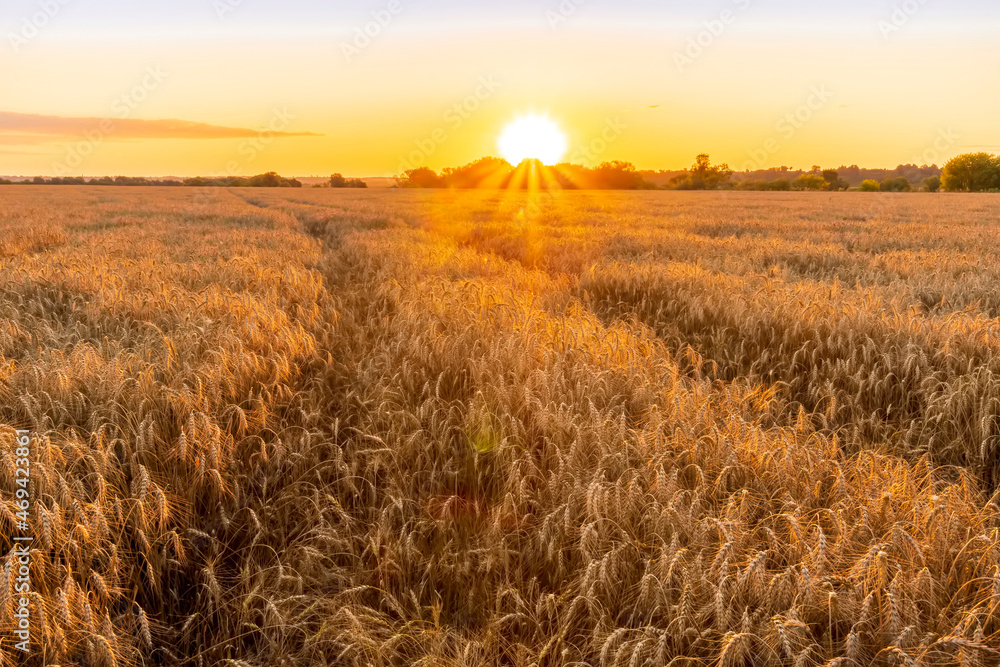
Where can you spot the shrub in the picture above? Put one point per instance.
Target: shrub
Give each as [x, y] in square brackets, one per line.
[898, 184]
[810, 182]
[870, 186]
[338, 181]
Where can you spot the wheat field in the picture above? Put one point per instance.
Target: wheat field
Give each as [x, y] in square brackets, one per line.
[317, 427]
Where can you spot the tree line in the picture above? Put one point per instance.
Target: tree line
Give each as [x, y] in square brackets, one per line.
[338, 181]
[267, 180]
[971, 172]
[494, 172]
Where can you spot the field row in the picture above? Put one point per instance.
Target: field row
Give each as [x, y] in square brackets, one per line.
[384, 428]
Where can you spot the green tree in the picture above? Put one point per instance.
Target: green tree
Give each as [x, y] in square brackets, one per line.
[268, 180]
[971, 172]
[932, 184]
[810, 182]
[706, 176]
[897, 184]
[421, 177]
[870, 185]
[835, 182]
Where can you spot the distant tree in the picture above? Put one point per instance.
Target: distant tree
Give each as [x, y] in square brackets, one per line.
[485, 172]
[834, 181]
[421, 177]
[870, 185]
[684, 182]
[971, 172]
[702, 175]
[810, 182]
[760, 185]
[709, 176]
[268, 180]
[617, 175]
[338, 181]
[931, 184]
[897, 184]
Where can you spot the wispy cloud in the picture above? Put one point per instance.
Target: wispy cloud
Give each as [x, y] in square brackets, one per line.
[24, 128]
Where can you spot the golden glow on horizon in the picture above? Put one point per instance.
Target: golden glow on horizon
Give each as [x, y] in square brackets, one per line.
[532, 137]
[728, 105]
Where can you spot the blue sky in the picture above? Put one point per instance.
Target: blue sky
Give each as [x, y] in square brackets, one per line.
[85, 15]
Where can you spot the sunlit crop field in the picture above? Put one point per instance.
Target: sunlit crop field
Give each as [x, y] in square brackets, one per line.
[313, 427]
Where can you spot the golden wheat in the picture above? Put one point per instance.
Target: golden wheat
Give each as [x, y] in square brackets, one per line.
[394, 428]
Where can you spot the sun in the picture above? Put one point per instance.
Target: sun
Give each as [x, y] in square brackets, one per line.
[532, 137]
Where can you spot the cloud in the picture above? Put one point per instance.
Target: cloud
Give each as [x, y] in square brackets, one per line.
[25, 128]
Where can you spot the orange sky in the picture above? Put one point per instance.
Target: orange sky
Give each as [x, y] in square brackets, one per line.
[192, 96]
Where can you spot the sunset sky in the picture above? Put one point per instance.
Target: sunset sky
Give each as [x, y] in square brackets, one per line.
[95, 87]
